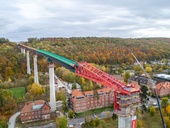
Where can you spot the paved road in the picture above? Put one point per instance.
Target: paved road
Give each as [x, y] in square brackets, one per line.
[75, 121]
[50, 125]
[81, 120]
[12, 120]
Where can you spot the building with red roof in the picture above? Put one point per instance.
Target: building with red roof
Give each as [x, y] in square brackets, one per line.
[163, 89]
[83, 101]
[33, 111]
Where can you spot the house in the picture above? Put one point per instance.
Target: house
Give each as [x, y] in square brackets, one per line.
[163, 89]
[33, 111]
[83, 101]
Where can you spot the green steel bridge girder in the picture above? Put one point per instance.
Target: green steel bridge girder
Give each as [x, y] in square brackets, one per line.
[60, 58]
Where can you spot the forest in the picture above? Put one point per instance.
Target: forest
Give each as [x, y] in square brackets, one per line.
[105, 51]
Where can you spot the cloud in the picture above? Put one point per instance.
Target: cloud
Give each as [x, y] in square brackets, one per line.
[110, 18]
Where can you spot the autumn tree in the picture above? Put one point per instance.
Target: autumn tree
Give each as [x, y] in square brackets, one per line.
[3, 122]
[65, 106]
[167, 121]
[83, 81]
[152, 111]
[61, 122]
[8, 72]
[165, 102]
[126, 76]
[9, 105]
[35, 89]
[139, 124]
[31, 80]
[74, 86]
[148, 69]
[61, 96]
[70, 113]
[7, 102]
[168, 110]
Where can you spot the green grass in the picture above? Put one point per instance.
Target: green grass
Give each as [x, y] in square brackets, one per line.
[150, 122]
[90, 112]
[145, 118]
[18, 92]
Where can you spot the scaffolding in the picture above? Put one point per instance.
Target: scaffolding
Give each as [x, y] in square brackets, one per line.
[127, 105]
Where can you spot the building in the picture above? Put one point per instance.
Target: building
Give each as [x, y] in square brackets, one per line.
[83, 101]
[33, 111]
[163, 89]
[141, 80]
[161, 77]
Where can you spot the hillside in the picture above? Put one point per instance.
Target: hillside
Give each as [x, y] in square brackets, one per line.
[105, 50]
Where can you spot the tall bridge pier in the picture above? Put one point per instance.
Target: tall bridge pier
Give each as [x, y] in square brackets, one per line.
[28, 63]
[52, 86]
[35, 69]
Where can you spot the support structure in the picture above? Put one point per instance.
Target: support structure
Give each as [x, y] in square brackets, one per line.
[35, 70]
[24, 51]
[28, 63]
[52, 87]
[21, 50]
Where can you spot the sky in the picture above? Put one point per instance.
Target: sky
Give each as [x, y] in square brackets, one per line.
[23, 19]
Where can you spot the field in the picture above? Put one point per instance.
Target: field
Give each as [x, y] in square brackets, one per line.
[18, 92]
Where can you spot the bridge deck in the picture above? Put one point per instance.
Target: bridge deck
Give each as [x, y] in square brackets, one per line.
[63, 59]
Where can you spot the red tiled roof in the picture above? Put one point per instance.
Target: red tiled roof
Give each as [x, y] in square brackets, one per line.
[89, 92]
[77, 93]
[29, 105]
[39, 102]
[135, 85]
[163, 85]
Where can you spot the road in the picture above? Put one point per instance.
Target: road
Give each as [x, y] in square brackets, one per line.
[76, 121]
[81, 120]
[12, 120]
[50, 125]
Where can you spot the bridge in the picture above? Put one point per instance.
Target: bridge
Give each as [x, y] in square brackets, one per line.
[125, 96]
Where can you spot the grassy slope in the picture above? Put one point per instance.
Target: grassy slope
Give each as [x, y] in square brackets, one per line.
[18, 92]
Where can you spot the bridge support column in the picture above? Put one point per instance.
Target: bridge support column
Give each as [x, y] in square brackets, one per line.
[52, 87]
[28, 63]
[35, 70]
[24, 51]
[21, 50]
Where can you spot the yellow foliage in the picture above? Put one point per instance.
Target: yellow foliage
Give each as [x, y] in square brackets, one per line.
[9, 79]
[148, 69]
[36, 89]
[82, 81]
[168, 109]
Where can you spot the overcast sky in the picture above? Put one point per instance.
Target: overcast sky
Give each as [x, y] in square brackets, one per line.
[22, 19]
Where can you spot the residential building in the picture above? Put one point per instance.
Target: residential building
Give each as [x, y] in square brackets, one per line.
[82, 101]
[163, 89]
[33, 111]
[142, 80]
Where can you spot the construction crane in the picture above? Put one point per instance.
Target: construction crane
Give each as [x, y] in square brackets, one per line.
[126, 96]
[154, 88]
